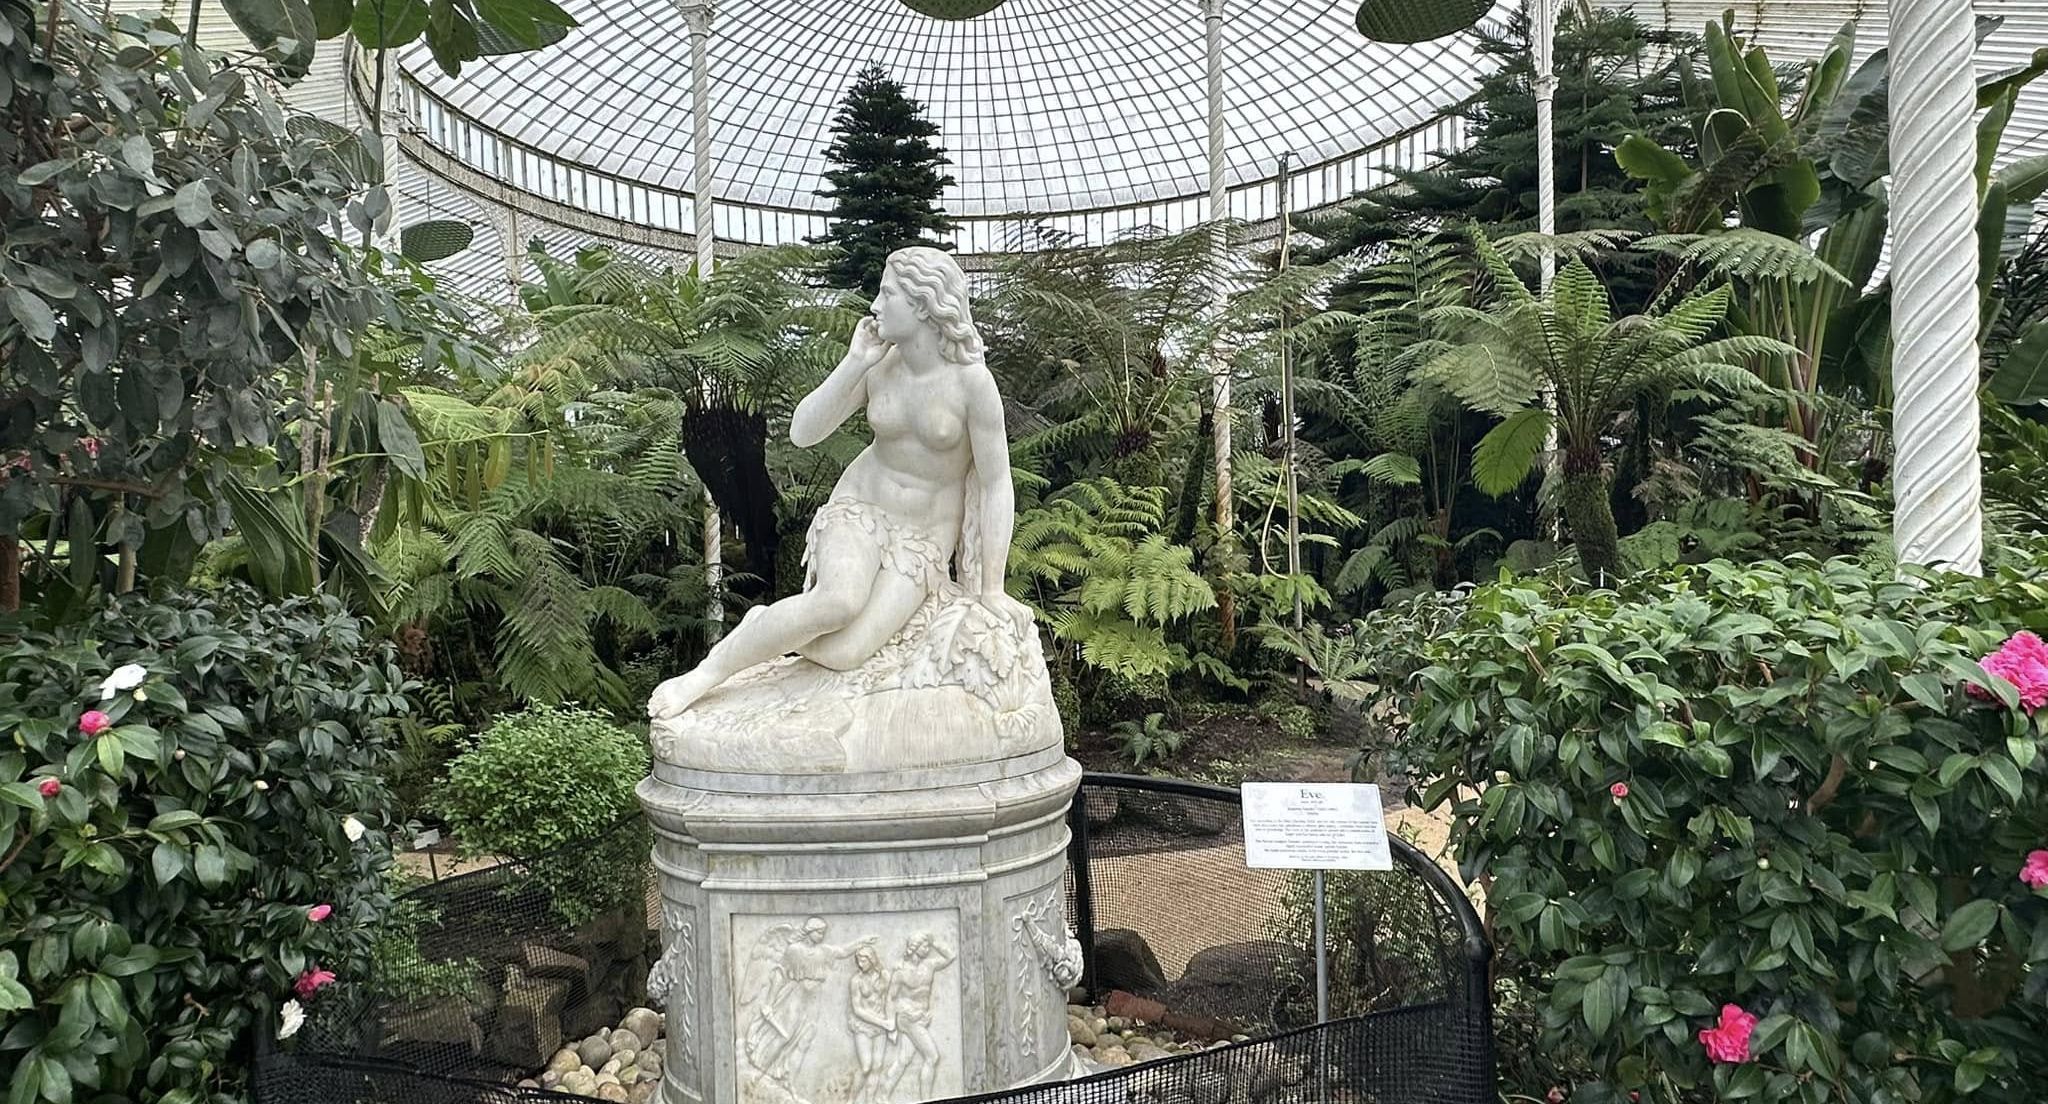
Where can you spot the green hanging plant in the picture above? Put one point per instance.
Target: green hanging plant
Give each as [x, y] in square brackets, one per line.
[953, 9]
[1407, 21]
[436, 239]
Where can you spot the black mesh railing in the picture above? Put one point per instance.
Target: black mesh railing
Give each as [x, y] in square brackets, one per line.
[484, 977]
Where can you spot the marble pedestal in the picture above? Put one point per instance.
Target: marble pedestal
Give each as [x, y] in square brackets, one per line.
[863, 879]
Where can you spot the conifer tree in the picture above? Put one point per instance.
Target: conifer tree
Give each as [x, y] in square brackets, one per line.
[885, 180]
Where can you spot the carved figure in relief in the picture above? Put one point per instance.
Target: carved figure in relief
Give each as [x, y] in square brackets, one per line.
[870, 1022]
[910, 1000]
[933, 487]
[784, 976]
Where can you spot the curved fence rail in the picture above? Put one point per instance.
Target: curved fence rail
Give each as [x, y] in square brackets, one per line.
[486, 976]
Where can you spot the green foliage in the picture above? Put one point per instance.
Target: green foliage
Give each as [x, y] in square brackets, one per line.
[1828, 805]
[1566, 344]
[539, 785]
[884, 183]
[1147, 740]
[154, 911]
[169, 251]
[455, 30]
[401, 974]
[540, 778]
[737, 350]
[1615, 77]
[1093, 564]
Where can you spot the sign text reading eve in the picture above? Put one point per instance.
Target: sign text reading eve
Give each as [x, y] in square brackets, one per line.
[1314, 826]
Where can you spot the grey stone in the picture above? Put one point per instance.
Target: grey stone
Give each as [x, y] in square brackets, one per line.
[529, 1026]
[629, 1075]
[595, 1051]
[645, 1023]
[542, 960]
[643, 1093]
[579, 1081]
[1080, 1031]
[444, 1022]
[625, 1056]
[1123, 960]
[1241, 982]
[550, 1078]
[528, 1083]
[614, 1091]
[564, 1060]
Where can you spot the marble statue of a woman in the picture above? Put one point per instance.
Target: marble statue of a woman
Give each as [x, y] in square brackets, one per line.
[903, 590]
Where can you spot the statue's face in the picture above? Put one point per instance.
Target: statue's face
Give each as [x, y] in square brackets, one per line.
[896, 318]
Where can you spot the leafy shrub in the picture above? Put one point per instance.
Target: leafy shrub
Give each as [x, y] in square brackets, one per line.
[158, 877]
[1296, 720]
[543, 778]
[401, 974]
[1150, 739]
[1789, 787]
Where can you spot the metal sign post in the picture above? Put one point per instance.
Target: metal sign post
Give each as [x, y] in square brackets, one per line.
[1315, 826]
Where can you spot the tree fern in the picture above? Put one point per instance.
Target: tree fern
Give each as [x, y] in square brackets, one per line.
[1744, 253]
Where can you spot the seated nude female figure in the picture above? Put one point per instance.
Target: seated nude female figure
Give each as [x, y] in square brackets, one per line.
[935, 483]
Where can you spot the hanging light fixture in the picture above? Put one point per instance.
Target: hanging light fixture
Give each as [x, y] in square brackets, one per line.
[1408, 21]
[953, 9]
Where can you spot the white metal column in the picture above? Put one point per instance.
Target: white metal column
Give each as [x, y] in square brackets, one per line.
[1543, 47]
[1219, 209]
[698, 14]
[1938, 480]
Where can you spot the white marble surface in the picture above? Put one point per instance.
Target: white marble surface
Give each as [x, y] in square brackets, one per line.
[860, 797]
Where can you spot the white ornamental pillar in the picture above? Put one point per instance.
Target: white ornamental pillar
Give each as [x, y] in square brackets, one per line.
[1219, 210]
[697, 13]
[1543, 45]
[1937, 485]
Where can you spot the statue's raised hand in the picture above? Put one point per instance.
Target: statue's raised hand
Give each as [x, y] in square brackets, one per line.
[867, 347]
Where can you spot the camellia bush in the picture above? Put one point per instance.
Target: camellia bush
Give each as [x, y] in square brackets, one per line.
[1765, 832]
[192, 838]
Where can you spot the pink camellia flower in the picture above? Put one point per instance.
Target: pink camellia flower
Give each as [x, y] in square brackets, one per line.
[50, 787]
[2035, 873]
[93, 722]
[312, 981]
[1554, 1096]
[91, 445]
[319, 912]
[2022, 661]
[1728, 1041]
[1619, 790]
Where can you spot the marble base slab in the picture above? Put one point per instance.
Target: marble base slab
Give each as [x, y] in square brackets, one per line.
[863, 938]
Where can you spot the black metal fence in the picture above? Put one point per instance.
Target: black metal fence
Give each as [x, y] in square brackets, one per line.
[489, 974]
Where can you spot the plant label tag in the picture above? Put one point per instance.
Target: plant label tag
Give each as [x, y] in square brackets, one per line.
[1314, 826]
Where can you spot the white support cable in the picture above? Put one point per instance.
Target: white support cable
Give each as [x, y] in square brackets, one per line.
[698, 13]
[1938, 477]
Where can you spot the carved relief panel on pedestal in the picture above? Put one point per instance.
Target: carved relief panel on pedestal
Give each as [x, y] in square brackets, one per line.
[847, 1009]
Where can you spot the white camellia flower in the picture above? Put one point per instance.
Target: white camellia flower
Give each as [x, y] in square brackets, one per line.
[352, 828]
[128, 676]
[290, 1018]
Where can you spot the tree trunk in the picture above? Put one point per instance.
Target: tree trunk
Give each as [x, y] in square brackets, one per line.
[10, 573]
[729, 450]
[1589, 516]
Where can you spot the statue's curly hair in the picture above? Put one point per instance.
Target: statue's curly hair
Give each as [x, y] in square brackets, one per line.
[932, 280]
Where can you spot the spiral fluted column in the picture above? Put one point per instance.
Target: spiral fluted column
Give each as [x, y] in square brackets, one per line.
[1219, 209]
[697, 13]
[1937, 485]
[1542, 48]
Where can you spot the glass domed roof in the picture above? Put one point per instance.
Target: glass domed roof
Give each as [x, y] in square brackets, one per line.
[1044, 106]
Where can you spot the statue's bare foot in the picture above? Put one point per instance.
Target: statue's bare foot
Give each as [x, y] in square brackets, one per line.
[674, 696]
